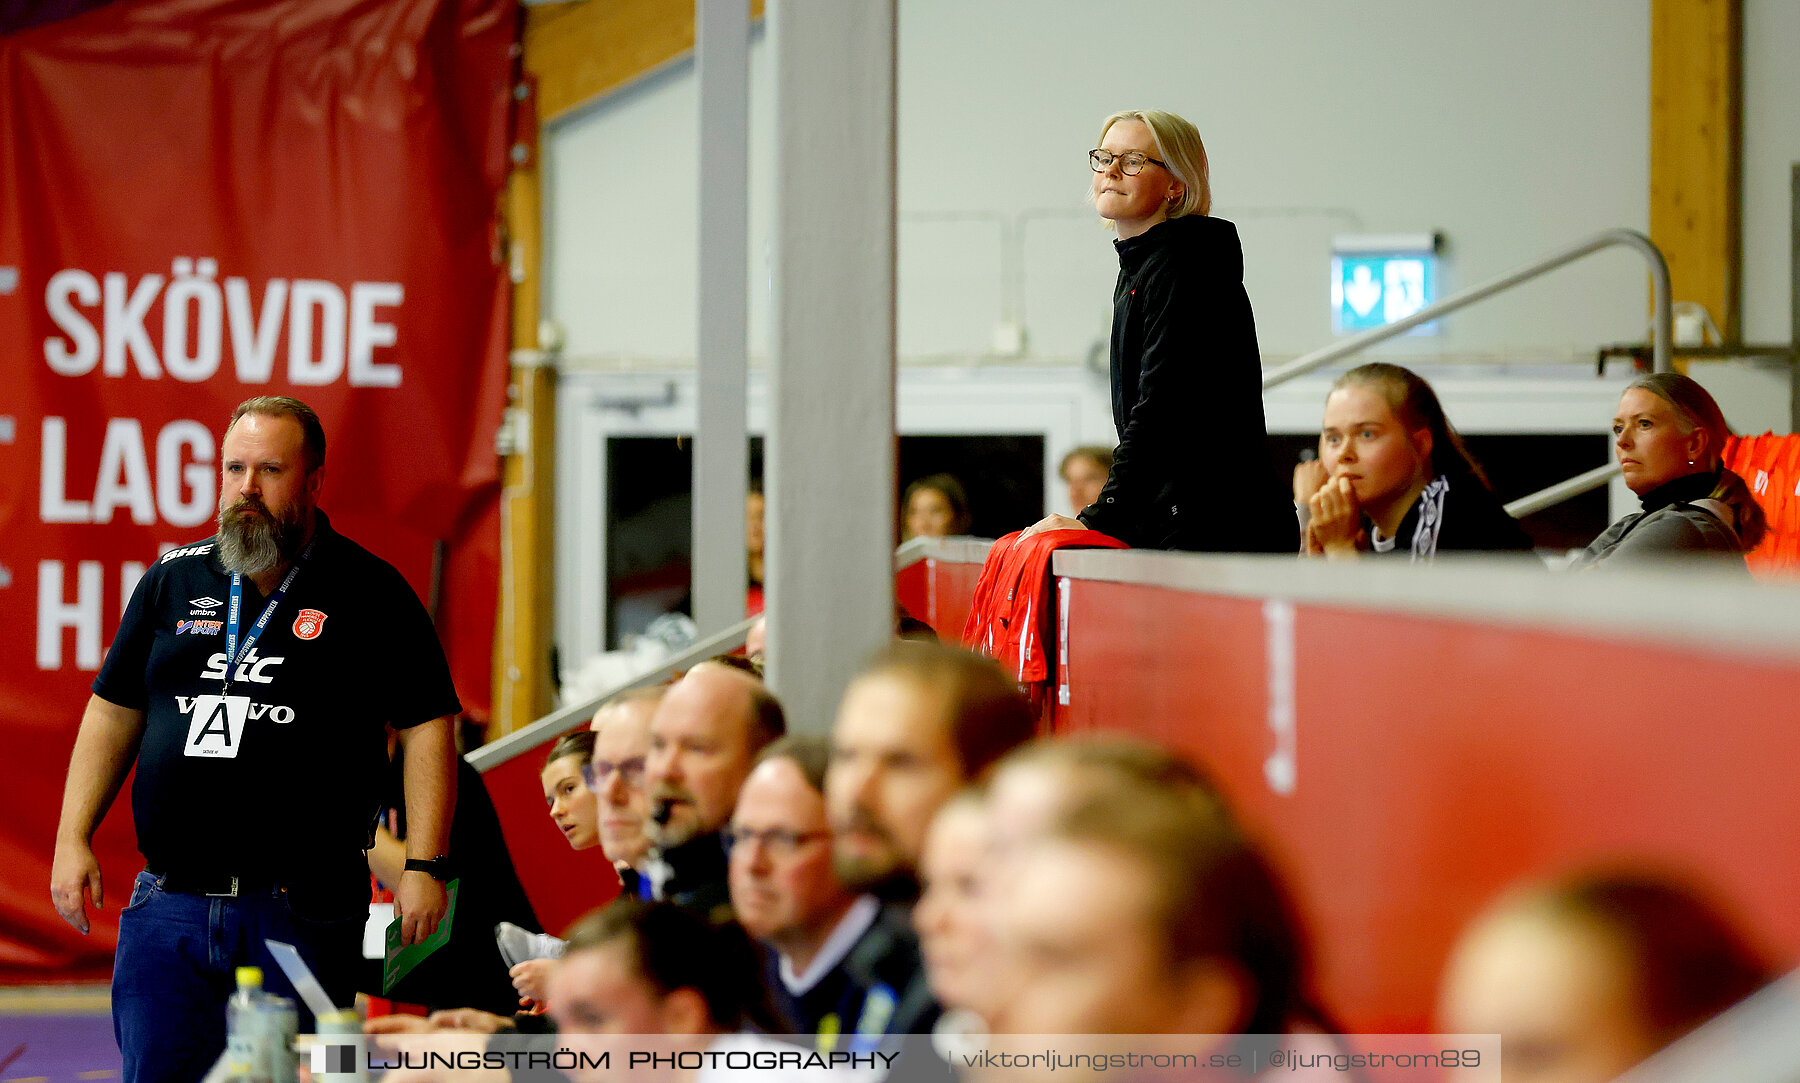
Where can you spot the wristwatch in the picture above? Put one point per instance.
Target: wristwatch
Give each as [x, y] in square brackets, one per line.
[438, 868]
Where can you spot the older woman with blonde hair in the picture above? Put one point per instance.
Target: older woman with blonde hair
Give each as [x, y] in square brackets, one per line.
[1186, 373]
[1669, 436]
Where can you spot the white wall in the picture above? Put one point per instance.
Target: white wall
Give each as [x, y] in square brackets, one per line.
[1513, 128]
[1771, 149]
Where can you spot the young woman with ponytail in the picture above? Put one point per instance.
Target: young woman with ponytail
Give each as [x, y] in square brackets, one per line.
[1393, 476]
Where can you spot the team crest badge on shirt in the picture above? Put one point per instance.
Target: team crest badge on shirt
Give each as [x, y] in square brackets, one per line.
[309, 624]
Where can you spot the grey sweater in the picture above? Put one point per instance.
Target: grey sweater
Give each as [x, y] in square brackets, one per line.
[1681, 529]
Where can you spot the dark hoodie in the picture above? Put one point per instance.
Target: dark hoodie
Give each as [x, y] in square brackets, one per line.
[698, 874]
[1192, 469]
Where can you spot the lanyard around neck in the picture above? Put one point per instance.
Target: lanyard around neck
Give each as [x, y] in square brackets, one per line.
[234, 655]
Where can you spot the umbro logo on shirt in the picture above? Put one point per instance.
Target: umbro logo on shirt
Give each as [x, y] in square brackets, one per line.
[207, 602]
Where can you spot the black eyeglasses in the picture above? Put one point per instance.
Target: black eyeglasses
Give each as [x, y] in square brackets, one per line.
[1131, 163]
[781, 842]
[596, 774]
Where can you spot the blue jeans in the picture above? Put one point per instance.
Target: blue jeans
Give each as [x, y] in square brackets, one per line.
[177, 961]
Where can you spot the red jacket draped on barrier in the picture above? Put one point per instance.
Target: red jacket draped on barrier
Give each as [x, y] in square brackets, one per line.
[201, 201]
[1012, 618]
[1770, 463]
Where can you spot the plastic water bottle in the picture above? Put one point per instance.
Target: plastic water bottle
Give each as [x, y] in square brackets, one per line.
[281, 1021]
[339, 1055]
[260, 1029]
[247, 1034]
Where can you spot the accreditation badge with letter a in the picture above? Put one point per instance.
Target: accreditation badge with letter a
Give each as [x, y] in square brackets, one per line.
[217, 726]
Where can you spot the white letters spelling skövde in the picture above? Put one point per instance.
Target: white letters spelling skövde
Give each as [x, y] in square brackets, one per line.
[331, 335]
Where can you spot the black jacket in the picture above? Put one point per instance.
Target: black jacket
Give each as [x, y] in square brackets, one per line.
[1463, 516]
[1192, 469]
[698, 875]
[887, 992]
[468, 971]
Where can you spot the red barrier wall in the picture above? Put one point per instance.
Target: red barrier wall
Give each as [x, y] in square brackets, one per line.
[938, 587]
[1439, 759]
[912, 589]
[1436, 758]
[563, 884]
[953, 590]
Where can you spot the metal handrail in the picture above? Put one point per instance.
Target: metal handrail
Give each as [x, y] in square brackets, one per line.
[1563, 490]
[1662, 336]
[1663, 330]
[530, 736]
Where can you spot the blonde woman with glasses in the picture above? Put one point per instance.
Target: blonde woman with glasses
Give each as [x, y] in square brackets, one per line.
[1186, 374]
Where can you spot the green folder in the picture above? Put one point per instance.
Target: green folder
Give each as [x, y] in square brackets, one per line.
[397, 961]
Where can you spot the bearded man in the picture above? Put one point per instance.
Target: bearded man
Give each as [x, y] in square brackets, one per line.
[704, 738]
[251, 683]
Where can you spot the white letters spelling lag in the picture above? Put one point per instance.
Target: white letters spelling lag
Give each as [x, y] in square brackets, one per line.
[184, 493]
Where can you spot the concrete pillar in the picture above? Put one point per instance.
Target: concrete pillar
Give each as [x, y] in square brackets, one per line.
[721, 455]
[830, 459]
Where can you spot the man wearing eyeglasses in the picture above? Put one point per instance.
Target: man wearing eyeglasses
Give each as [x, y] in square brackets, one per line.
[616, 776]
[704, 738]
[785, 891]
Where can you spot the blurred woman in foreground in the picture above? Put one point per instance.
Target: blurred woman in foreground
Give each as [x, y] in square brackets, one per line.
[1585, 978]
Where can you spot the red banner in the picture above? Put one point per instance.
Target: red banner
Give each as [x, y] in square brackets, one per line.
[201, 201]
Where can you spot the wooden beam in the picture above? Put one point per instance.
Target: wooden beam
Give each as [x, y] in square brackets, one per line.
[523, 689]
[1696, 150]
[581, 51]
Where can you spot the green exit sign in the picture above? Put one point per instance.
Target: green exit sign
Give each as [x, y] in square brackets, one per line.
[1377, 279]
